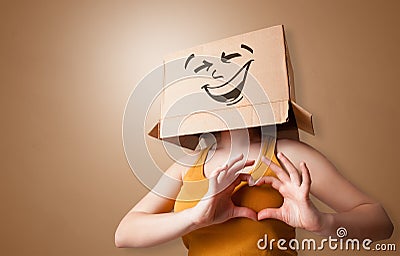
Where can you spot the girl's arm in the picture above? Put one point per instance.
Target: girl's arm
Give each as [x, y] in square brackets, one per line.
[362, 216]
[151, 222]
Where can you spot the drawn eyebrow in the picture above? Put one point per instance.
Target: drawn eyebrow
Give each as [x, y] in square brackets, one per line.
[206, 65]
[246, 47]
[226, 58]
[189, 59]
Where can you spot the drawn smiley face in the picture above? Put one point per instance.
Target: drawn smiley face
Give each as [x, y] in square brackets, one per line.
[221, 92]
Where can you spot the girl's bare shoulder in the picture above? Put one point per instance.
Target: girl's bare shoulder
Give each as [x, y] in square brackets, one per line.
[293, 146]
[298, 151]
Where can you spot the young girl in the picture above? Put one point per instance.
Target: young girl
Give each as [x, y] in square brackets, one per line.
[220, 209]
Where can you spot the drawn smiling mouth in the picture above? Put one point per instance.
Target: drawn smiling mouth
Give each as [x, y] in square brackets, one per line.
[234, 95]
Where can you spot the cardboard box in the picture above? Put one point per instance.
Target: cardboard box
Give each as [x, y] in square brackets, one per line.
[244, 81]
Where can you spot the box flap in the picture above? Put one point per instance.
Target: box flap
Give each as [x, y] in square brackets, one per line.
[303, 118]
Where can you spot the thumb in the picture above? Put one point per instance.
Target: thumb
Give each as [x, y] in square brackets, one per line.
[244, 212]
[270, 213]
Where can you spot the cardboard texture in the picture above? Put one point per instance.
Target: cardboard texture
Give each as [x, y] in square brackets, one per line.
[244, 81]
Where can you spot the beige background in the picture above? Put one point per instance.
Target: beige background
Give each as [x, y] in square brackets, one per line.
[67, 69]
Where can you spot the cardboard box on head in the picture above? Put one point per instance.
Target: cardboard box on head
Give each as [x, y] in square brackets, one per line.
[244, 81]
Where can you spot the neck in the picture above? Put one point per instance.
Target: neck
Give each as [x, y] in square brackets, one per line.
[233, 138]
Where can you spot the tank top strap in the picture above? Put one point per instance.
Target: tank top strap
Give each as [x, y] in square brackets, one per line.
[203, 156]
[267, 150]
[271, 154]
[195, 172]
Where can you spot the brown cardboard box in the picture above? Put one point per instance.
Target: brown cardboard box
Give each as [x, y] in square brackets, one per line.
[244, 81]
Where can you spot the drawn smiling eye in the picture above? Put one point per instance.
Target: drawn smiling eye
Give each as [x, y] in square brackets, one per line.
[219, 92]
[206, 65]
[225, 58]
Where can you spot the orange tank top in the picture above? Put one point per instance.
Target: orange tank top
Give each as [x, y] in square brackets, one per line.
[237, 236]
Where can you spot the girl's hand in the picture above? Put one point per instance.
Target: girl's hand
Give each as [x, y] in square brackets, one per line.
[297, 209]
[216, 206]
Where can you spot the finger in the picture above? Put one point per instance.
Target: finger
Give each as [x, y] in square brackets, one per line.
[249, 163]
[213, 180]
[234, 160]
[237, 168]
[212, 186]
[244, 177]
[217, 171]
[239, 179]
[281, 173]
[221, 176]
[292, 170]
[274, 182]
[244, 212]
[270, 213]
[306, 177]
